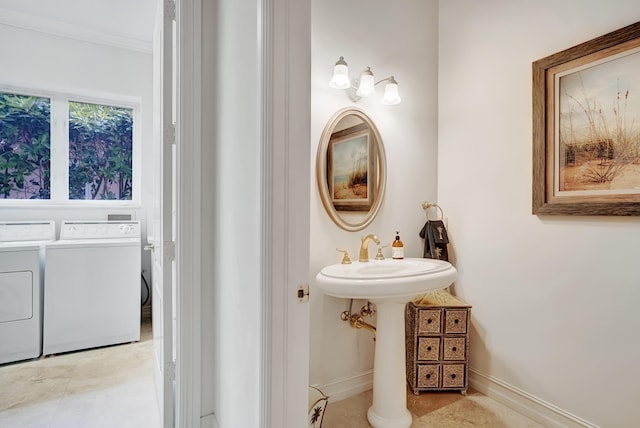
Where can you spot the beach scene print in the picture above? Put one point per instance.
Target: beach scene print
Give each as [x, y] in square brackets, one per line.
[350, 169]
[598, 127]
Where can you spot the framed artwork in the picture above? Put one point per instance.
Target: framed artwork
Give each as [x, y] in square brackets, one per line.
[352, 169]
[586, 127]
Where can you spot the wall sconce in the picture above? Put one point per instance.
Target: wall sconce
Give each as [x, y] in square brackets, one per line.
[365, 86]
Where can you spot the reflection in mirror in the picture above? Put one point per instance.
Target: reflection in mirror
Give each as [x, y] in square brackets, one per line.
[351, 169]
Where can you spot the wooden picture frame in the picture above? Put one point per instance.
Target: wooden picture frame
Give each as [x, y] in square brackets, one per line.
[352, 169]
[586, 128]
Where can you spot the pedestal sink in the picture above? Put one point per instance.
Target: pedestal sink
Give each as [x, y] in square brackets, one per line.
[390, 284]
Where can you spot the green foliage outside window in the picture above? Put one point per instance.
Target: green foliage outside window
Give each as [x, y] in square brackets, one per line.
[25, 154]
[100, 151]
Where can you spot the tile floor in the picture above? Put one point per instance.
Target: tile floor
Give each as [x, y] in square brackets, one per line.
[113, 387]
[431, 410]
[110, 387]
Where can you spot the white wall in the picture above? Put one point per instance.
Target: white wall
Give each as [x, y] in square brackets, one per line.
[554, 298]
[391, 39]
[41, 61]
[209, 336]
[231, 208]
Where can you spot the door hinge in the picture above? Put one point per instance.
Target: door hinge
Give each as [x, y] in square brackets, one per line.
[169, 251]
[303, 293]
[170, 134]
[170, 370]
[170, 9]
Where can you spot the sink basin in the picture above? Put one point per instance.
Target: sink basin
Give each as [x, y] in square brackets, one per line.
[390, 284]
[388, 280]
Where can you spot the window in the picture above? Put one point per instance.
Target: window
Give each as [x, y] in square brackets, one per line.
[25, 154]
[100, 151]
[62, 149]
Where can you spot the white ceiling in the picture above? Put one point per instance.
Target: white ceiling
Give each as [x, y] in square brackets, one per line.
[122, 19]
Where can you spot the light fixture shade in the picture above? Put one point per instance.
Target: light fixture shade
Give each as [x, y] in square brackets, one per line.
[367, 84]
[340, 79]
[391, 95]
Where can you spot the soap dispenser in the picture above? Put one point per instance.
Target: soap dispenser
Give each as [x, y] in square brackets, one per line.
[397, 248]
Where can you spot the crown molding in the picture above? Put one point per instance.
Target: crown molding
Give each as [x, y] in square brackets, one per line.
[71, 31]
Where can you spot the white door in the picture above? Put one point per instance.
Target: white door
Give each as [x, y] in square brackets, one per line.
[163, 243]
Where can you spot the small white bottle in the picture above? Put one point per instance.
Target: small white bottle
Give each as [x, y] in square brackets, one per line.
[397, 248]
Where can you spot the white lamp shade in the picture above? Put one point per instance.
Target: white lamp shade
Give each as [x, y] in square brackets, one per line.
[340, 79]
[367, 84]
[391, 95]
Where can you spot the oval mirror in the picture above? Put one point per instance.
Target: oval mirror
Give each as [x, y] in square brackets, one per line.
[351, 169]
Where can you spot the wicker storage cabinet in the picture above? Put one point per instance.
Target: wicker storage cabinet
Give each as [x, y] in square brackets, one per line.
[437, 343]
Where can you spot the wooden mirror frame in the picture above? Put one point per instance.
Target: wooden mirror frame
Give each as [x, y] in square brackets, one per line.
[377, 167]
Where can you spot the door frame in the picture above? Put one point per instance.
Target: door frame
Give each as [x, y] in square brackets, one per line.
[188, 216]
[162, 244]
[285, 58]
[286, 130]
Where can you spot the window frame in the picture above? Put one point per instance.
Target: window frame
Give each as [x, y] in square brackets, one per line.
[59, 147]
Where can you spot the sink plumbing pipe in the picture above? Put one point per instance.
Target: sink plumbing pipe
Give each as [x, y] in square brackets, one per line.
[357, 320]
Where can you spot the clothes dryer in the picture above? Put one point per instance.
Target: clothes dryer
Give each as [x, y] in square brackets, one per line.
[21, 281]
[92, 286]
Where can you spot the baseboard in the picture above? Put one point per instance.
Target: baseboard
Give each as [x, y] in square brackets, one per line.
[209, 421]
[522, 402]
[347, 386]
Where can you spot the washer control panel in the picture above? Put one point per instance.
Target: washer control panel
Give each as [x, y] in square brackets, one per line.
[17, 231]
[99, 229]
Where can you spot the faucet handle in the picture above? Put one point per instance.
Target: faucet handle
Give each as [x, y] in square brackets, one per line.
[345, 257]
[379, 255]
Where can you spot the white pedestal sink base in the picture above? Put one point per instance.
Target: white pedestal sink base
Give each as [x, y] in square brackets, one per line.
[389, 409]
[390, 284]
[378, 422]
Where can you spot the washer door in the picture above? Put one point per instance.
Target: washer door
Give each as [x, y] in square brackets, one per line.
[16, 296]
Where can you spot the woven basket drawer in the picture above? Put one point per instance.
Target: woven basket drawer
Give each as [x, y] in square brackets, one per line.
[428, 348]
[452, 375]
[429, 321]
[455, 321]
[428, 375]
[454, 348]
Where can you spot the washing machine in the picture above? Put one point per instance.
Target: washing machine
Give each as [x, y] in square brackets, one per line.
[21, 281]
[92, 286]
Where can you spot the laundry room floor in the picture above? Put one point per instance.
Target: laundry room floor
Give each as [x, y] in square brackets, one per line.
[104, 387]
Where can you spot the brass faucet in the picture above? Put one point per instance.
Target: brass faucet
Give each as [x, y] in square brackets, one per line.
[364, 247]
